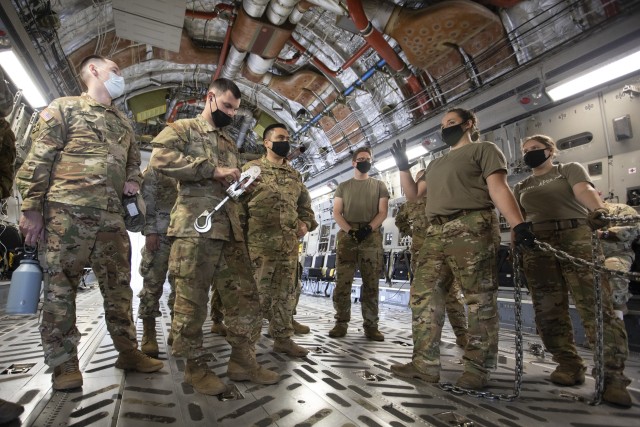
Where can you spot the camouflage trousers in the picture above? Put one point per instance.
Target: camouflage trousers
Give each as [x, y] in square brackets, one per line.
[349, 256]
[153, 269]
[8, 155]
[276, 276]
[464, 249]
[77, 237]
[454, 302]
[217, 315]
[194, 263]
[619, 285]
[550, 281]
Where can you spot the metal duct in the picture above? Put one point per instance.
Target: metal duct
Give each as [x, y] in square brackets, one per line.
[255, 8]
[233, 63]
[279, 10]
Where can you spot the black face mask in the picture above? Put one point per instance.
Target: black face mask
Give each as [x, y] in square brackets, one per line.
[363, 167]
[535, 158]
[452, 134]
[219, 117]
[280, 148]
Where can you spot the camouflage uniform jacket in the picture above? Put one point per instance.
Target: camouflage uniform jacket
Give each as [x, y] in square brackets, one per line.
[276, 205]
[189, 150]
[83, 155]
[159, 193]
[411, 218]
[7, 141]
[620, 237]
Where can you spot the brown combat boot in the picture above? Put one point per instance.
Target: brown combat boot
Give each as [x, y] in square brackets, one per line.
[615, 391]
[373, 334]
[135, 360]
[244, 367]
[568, 375]
[288, 346]
[67, 375]
[462, 340]
[9, 411]
[408, 370]
[198, 374]
[170, 338]
[472, 381]
[149, 340]
[339, 330]
[299, 328]
[219, 328]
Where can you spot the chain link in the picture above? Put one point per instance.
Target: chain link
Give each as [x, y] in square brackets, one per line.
[598, 269]
[599, 350]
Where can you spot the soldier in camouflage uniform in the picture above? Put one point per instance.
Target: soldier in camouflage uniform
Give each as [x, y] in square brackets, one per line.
[278, 214]
[72, 183]
[462, 187]
[562, 203]
[7, 141]
[204, 160]
[217, 315]
[159, 193]
[412, 221]
[616, 245]
[360, 206]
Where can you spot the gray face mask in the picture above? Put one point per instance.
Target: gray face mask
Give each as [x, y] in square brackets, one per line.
[114, 85]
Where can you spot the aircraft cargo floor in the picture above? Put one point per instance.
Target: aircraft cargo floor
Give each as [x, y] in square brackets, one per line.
[343, 382]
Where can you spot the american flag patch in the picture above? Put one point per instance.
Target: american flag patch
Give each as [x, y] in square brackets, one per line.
[46, 115]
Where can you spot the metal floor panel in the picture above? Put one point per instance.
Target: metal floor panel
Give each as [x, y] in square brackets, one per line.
[343, 382]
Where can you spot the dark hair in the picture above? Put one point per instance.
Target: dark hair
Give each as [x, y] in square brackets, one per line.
[268, 129]
[84, 64]
[467, 115]
[222, 85]
[361, 150]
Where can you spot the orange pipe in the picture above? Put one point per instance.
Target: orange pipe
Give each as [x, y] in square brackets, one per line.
[375, 39]
[225, 45]
[176, 107]
[196, 14]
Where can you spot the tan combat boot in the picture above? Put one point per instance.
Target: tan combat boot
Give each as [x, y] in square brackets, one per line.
[472, 381]
[615, 391]
[198, 374]
[244, 367]
[408, 370]
[299, 328]
[149, 340]
[462, 340]
[135, 360]
[219, 328]
[67, 375]
[288, 346]
[373, 334]
[339, 330]
[568, 375]
[170, 338]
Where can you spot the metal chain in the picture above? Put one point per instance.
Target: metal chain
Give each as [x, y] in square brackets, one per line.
[517, 298]
[597, 269]
[599, 350]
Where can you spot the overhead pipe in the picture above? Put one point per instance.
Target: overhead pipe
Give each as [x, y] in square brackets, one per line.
[377, 41]
[225, 45]
[321, 65]
[358, 83]
[255, 8]
[171, 116]
[247, 121]
[279, 10]
[220, 7]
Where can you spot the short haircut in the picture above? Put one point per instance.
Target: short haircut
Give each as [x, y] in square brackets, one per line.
[222, 85]
[545, 140]
[84, 65]
[361, 150]
[267, 131]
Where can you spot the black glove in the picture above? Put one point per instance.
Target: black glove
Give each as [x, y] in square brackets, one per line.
[596, 219]
[399, 153]
[353, 233]
[524, 237]
[362, 233]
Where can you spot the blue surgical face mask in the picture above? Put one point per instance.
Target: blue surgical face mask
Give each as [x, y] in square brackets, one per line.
[114, 85]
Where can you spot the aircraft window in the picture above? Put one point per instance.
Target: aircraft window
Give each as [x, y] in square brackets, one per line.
[574, 140]
[388, 238]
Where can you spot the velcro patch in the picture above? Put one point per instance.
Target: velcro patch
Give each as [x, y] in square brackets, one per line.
[46, 115]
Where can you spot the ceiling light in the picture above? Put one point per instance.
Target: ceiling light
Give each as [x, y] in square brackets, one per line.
[320, 191]
[13, 68]
[595, 77]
